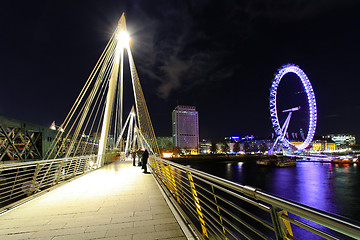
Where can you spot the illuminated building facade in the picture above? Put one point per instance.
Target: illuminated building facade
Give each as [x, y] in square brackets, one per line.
[205, 146]
[323, 145]
[185, 128]
[342, 140]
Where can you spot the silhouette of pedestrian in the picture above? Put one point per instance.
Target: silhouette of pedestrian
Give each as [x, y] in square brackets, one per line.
[139, 155]
[133, 155]
[144, 160]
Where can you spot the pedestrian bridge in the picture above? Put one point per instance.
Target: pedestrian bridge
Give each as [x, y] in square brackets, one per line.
[117, 201]
[74, 194]
[68, 199]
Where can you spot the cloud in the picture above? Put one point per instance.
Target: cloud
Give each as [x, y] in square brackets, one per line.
[192, 44]
[161, 47]
[188, 44]
[173, 69]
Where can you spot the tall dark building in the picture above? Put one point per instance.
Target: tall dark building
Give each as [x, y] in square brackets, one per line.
[185, 128]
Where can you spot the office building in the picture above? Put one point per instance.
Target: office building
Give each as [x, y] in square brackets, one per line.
[185, 128]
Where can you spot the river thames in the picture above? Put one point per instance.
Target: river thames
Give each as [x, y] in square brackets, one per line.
[329, 187]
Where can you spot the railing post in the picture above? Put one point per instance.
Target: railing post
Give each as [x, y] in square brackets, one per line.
[167, 176]
[218, 209]
[59, 172]
[12, 189]
[85, 164]
[197, 205]
[67, 171]
[173, 182]
[157, 166]
[277, 223]
[163, 177]
[75, 167]
[285, 225]
[154, 165]
[32, 186]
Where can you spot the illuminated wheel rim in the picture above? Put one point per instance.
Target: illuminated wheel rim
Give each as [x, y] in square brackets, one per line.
[291, 68]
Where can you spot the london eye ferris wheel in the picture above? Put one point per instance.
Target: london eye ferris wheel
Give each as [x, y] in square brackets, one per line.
[292, 109]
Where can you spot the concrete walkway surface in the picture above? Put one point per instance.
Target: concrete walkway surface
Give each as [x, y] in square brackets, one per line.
[117, 201]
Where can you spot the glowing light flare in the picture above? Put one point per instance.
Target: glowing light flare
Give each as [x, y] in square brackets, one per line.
[123, 39]
[91, 164]
[167, 154]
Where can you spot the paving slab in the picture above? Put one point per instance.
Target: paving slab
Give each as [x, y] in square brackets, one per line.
[117, 201]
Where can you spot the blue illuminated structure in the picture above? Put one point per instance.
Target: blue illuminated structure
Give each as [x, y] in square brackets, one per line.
[280, 131]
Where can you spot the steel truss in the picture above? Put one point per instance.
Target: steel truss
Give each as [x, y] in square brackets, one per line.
[19, 144]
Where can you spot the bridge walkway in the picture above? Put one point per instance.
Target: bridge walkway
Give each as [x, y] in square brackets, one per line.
[117, 201]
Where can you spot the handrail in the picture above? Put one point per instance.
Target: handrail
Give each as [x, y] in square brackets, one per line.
[18, 164]
[219, 208]
[20, 180]
[233, 202]
[312, 214]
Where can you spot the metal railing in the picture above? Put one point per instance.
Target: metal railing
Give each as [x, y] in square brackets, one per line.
[20, 180]
[221, 209]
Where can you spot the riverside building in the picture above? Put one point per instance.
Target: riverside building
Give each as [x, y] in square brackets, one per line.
[185, 128]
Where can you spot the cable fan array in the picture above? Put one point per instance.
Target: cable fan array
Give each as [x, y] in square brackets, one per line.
[94, 124]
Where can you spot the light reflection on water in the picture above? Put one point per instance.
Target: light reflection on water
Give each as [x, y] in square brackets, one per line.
[328, 187]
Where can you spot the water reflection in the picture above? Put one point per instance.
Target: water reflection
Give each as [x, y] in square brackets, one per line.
[315, 189]
[328, 187]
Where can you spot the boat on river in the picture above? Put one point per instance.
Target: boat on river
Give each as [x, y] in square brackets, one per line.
[345, 160]
[277, 162]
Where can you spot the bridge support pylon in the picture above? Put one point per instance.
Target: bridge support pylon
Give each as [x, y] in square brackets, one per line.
[118, 61]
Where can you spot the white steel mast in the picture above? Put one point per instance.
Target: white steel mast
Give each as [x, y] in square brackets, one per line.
[123, 41]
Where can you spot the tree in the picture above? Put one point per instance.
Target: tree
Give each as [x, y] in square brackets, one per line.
[225, 147]
[176, 151]
[213, 147]
[236, 147]
[246, 146]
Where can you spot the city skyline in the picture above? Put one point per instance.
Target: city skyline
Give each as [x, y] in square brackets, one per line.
[213, 57]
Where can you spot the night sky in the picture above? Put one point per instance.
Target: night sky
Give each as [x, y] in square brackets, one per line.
[219, 56]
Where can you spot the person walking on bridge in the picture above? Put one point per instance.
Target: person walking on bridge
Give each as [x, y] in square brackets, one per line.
[144, 160]
[133, 155]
